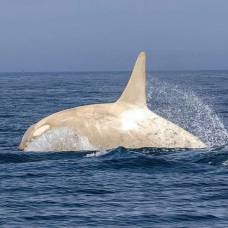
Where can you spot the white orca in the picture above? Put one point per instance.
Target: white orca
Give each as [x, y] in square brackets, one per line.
[127, 122]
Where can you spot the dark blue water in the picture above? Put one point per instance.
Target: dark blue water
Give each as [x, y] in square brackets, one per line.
[146, 187]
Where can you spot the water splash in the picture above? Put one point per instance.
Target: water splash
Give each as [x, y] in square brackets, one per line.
[97, 153]
[183, 107]
[61, 139]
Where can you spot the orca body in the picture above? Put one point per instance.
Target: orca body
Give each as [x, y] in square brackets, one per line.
[127, 122]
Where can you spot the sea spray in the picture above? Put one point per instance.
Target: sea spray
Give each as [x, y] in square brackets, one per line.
[183, 107]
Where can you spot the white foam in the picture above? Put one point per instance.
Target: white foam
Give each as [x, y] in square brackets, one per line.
[225, 163]
[97, 154]
[60, 139]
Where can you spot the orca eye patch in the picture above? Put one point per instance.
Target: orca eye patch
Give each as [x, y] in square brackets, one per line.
[41, 130]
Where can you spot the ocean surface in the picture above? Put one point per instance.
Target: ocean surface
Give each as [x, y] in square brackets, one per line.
[145, 187]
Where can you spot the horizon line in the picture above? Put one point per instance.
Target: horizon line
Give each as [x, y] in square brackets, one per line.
[106, 71]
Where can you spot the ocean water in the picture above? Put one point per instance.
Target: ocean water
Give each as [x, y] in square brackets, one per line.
[145, 187]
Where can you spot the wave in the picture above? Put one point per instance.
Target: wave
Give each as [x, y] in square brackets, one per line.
[26, 157]
[144, 158]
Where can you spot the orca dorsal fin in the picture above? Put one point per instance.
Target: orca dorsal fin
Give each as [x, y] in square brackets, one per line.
[135, 91]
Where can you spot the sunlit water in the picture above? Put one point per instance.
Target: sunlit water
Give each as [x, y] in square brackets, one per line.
[146, 187]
